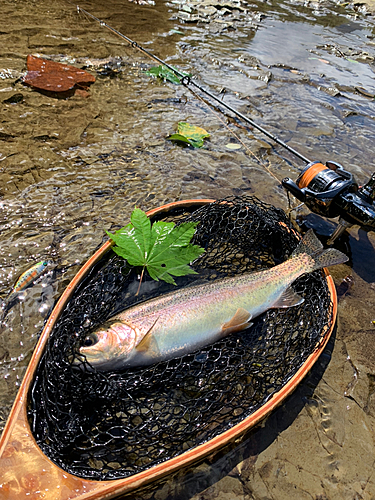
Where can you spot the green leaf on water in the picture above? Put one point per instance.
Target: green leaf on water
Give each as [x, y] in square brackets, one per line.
[166, 74]
[162, 248]
[181, 138]
[190, 134]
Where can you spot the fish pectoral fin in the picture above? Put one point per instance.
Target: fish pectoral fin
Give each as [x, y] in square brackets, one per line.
[149, 343]
[239, 322]
[288, 298]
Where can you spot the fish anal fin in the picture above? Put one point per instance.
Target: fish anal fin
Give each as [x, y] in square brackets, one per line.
[239, 322]
[288, 298]
[148, 343]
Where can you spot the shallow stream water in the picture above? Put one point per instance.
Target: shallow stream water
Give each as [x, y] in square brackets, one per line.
[71, 168]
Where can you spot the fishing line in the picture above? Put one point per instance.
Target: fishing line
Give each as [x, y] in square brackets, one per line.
[187, 80]
[235, 135]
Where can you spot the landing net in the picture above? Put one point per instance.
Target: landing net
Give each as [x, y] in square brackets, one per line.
[112, 425]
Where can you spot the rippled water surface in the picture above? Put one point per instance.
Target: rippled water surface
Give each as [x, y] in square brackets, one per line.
[71, 168]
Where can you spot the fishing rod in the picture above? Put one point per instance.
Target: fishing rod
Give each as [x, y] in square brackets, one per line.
[187, 80]
[327, 190]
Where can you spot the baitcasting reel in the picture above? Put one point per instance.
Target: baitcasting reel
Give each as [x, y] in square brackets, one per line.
[331, 191]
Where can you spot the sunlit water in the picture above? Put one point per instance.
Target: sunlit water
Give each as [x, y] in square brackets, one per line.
[71, 168]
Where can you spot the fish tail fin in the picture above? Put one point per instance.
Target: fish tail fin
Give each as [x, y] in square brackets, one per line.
[321, 257]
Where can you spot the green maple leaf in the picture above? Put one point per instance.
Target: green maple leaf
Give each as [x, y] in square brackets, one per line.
[166, 74]
[162, 248]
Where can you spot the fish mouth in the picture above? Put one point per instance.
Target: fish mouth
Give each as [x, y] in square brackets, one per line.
[81, 361]
[77, 360]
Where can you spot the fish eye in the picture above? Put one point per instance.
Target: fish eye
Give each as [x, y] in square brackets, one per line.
[45, 263]
[90, 340]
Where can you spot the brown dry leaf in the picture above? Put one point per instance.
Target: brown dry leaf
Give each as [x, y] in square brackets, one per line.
[52, 76]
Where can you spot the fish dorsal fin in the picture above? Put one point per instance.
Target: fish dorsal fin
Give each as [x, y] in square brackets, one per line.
[288, 298]
[148, 343]
[310, 244]
[240, 321]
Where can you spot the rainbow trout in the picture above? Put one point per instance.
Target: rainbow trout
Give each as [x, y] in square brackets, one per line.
[190, 318]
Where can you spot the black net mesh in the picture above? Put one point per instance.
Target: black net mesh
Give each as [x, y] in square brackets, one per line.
[112, 425]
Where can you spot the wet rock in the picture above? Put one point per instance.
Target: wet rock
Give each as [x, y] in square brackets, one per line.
[213, 11]
[325, 453]
[230, 488]
[10, 74]
[292, 473]
[354, 316]
[225, 179]
[44, 39]
[249, 60]
[39, 116]
[356, 54]
[6, 137]
[332, 91]
[21, 170]
[310, 129]
[361, 351]
[365, 92]
[163, 492]
[14, 98]
[81, 241]
[209, 10]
